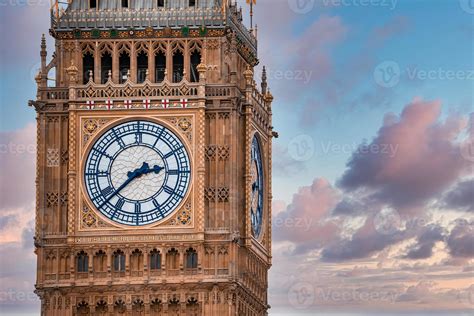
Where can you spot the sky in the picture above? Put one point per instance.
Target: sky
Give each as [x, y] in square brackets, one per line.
[373, 180]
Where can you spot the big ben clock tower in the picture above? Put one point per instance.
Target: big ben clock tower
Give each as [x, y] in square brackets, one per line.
[153, 191]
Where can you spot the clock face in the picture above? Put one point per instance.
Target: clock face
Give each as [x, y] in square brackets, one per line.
[137, 173]
[256, 171]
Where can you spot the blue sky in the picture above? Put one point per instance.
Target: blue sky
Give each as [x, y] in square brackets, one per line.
[325, 62]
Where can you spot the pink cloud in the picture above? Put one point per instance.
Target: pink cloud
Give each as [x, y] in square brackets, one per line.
[17, 160]
[426, 160]
[303, 221]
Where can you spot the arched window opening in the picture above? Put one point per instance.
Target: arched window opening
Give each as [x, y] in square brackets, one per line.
[178, 66]
[119, 306]
[119, 261]
[92, 4]
[172, 259]
[192, 3]
[83, 308]
[100, 262]
[106, 65]
[82, 262]
[101, 307]
[142, 66]
[173, 306]
[138, 307]
[195, 61]
[124, 65]
[87, 66]
[160, 66]
[136, 262]
[192, 307]
[124, 3]
[161, 3]
[155, 260]
[156, 305]
[191, 259]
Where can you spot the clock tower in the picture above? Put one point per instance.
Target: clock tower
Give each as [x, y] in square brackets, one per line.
[153, 190]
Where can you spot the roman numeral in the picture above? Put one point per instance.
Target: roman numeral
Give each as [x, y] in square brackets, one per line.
[108, 190]
[119, 204]
[138, 138]
[138, 207]
[168, 190]
[119, 140]
[158, 208]
[171, 153]
[176, 172]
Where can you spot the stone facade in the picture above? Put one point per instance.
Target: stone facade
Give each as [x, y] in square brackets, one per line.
[203, 258]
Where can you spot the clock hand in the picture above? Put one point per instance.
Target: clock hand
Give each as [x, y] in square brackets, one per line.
[144, 169]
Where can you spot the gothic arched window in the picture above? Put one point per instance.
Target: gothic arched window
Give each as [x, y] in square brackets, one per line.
[124, 3]
[124, 65]
[87, 66]
[92, 4]
[195, 61]
[82, 262]
[178, 66]
[192, 3]
[136, 262]
[161, 3]
[100, 261]
[160, 66]
[172, 259]
[191, 259]
[119, 261]
[106, 65]
[155, 260]
[142, 66]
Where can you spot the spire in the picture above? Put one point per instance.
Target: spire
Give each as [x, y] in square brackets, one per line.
[264, 81]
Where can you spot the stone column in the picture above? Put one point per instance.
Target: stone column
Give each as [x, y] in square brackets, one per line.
[96, 63]
[151, 62]
[133, 63]
[115, 64]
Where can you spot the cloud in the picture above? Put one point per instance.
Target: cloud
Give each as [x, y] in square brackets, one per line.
[460, 240]
[17, 159]
[427, 159]
[303, 221]
[461, 197]
[423, 249]
[365, 242]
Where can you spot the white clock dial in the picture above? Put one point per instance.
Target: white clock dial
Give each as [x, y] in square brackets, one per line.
[137, 173]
